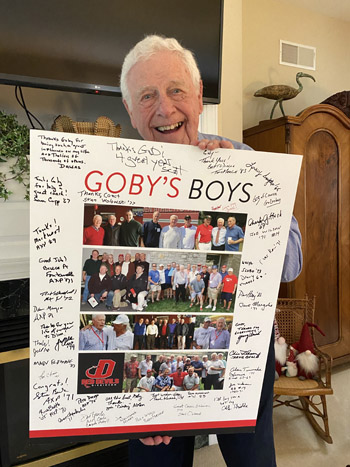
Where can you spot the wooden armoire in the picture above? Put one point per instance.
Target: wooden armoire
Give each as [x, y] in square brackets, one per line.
[321, 133]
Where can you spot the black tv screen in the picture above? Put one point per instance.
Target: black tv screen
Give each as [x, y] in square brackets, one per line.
[79, 45]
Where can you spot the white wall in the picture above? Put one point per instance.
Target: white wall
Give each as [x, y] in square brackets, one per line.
[265, 22]
[230, 109]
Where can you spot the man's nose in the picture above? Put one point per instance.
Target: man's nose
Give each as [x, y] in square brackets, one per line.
[165, 105]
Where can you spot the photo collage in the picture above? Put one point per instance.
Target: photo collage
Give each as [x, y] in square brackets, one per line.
[161, 283]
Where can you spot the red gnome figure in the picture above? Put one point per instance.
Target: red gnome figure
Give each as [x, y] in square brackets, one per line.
[306, 359]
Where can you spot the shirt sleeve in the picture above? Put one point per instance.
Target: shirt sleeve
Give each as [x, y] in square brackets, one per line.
[110, 338]
[161, 239]
[81, 340]
[293, 261]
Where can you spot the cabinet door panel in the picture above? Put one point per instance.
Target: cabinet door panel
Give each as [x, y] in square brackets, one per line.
[321, 225]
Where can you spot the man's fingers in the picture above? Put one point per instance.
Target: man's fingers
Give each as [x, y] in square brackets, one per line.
[214, 144]
[156, 440]
[226, 144]
[148, 441]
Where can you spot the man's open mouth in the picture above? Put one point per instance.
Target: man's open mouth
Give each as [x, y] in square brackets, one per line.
[169, 128]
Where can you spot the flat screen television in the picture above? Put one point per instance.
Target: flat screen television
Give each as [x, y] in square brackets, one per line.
[79, 45]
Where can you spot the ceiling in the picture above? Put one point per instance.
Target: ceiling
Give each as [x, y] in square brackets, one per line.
[339, 9]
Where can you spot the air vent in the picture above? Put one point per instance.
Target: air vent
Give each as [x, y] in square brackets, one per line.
[297, 55]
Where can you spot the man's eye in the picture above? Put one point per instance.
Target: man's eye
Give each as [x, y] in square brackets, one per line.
[146, 97]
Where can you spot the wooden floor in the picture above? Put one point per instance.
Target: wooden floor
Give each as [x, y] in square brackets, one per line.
[296, 442]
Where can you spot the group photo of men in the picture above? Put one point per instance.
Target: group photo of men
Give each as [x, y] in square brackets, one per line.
[158, 280]
[163, 228]
[185, 372]
[137, 332]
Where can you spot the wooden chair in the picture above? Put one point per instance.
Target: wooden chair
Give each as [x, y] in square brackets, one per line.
[309, 395]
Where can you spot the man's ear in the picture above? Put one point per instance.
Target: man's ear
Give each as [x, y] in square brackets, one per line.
[200, 96]
[130, 113]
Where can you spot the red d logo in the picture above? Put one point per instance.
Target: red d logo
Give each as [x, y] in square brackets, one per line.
[104, 369]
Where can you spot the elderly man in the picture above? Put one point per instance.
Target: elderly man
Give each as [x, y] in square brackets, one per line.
[162, 92]
[219, 338]
[131, 373]
[197, 365]
[120, 337]
[202, 334]
[144, 366]
[137, 289]
[180, 283]
[154, 282]
[188, 232]
[181, 333]
[112, 231]
[151, 231]
[99, 286]
[234, 235]
[118, 288]
[214, 287]
[91, 267]
[144, 263]
[130, 231]
[170, 236]
[178, 378]
[94, 337]
[151, 334]
[203, 234]
[215, 369]
[157, 365]
[218, 235]
[139, 333]
[94, 234]
[146, 383]
[191, 381]
[164, 382]
[230, 282]
[197, 290]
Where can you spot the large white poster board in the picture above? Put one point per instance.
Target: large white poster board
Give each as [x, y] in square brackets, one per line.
[76, 392]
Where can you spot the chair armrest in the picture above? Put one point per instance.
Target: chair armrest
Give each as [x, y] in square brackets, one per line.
[326, 360]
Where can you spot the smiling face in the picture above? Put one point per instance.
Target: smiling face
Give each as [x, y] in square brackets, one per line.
[112, 220]
[220, 222]
[97, 221]
[165, 104]
[129, 215]
[173, 221]
[103, 269]
[231, 222]
[139, 270]
[94, 255]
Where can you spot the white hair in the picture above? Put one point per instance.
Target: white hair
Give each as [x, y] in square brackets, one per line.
[96, 315]
[143, 51]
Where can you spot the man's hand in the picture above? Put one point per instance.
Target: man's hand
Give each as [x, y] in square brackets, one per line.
[213, 144]
[156, 440]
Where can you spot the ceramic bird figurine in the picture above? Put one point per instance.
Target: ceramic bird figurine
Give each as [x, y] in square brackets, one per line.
[282, 92]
